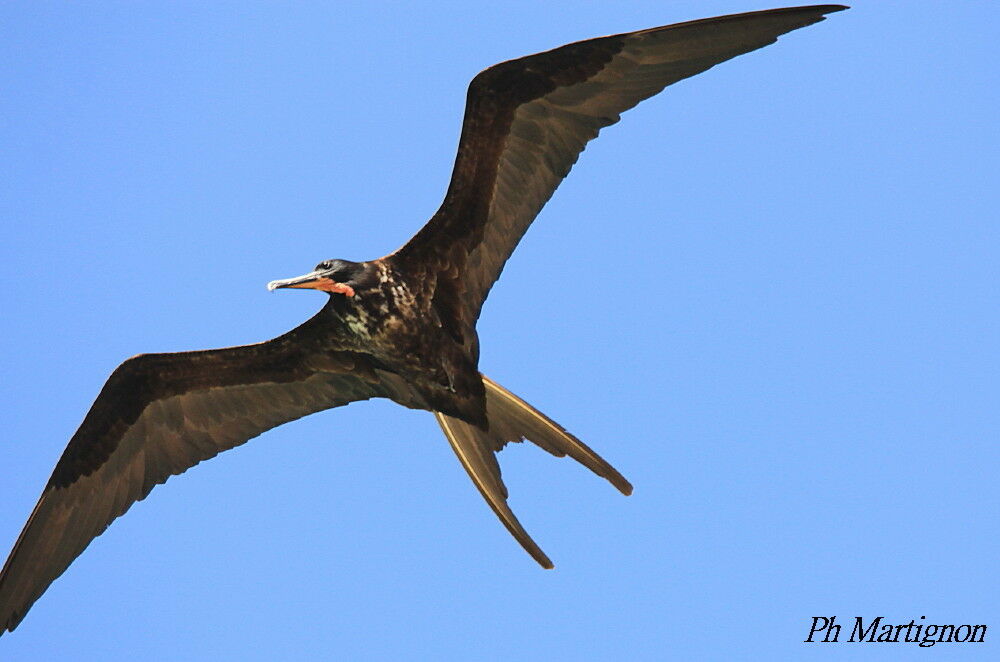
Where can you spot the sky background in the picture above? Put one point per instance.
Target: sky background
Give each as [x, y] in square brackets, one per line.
[769, 296]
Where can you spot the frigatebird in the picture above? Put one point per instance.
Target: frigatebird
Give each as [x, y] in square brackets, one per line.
[402, 326]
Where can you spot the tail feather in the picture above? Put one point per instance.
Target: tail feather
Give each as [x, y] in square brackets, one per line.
[511, 420]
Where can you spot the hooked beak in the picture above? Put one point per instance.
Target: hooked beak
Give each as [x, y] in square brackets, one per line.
[315, 280]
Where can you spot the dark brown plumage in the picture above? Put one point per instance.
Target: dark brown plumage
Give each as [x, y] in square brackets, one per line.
[401, 327]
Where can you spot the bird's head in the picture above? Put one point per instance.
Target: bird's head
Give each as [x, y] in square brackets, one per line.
[334, 276]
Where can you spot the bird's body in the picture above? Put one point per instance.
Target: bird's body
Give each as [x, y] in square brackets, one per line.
[391, 320]
[401, 327]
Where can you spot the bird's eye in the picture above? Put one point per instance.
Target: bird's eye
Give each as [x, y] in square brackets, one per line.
[324, 265]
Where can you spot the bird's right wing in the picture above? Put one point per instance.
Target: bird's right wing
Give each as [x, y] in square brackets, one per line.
[160, 414]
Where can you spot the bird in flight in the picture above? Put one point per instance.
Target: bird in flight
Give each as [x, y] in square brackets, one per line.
[402, 326]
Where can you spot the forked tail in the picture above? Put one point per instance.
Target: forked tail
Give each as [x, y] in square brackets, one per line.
[513, 419]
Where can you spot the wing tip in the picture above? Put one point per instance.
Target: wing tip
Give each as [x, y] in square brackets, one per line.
[14, 618]
[824, 10]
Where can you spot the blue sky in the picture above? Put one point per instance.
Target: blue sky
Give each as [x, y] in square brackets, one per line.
[768, 296]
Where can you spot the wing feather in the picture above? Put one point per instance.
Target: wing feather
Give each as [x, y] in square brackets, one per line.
[528, 120]
[161, 414]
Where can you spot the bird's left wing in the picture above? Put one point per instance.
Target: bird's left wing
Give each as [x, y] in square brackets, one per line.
[527, 120]
[160, 414]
